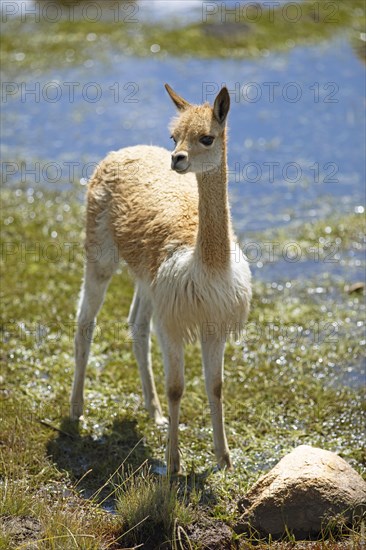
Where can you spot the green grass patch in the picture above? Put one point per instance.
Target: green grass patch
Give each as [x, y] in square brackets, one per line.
[337, 234]
[31, 44]
[285, 384]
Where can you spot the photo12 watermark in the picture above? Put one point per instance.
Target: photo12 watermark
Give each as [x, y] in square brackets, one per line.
[55, 250]
[273, 91]
[270, 11]
[271, 172]
[49, 11]
[122, 332]
[71, 92]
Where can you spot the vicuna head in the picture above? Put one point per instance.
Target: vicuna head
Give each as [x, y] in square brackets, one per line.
[198, 133]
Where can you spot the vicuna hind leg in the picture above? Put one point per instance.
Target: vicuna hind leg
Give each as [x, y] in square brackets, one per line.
[213, 347]
[140, 320]
[173, 357]
[97, 277]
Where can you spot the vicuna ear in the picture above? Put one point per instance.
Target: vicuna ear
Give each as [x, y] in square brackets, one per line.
[222, 105]
[179, 102]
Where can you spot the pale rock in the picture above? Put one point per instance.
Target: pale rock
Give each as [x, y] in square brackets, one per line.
[302, 494]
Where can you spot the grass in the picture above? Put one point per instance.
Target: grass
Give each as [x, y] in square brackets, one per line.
[73, 39]
[152, 510]
[331, 235]
[285, 385]
[48, 519]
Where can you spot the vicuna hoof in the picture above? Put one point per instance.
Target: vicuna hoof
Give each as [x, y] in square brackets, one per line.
[76, 410]
[225, 462]
[160, 420]
[173, 464]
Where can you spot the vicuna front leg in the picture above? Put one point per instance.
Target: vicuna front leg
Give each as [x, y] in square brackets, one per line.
[95, 284]
[213, 347]
[173, 357]
[139, 319]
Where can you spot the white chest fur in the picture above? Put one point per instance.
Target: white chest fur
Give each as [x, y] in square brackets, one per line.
[190, 299]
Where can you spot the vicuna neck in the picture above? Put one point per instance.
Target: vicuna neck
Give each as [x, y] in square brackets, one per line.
[214, 225]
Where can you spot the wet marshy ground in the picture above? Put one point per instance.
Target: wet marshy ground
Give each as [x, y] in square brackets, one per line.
[76, 88]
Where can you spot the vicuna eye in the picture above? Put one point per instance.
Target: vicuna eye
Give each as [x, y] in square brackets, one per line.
[173, 138]
[207, 140]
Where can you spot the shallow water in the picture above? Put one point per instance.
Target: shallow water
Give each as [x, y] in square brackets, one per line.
[289, 160]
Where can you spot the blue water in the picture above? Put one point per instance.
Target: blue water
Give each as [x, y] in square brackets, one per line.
[296, 141]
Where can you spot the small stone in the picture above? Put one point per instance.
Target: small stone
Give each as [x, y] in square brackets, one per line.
[356, 287]
[306, 490]
[23, 530]
[210, 534]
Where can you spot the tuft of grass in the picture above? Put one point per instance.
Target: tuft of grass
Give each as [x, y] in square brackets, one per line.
[151, 510]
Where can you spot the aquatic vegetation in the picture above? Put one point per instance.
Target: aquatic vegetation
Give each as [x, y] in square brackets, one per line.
[252, 32]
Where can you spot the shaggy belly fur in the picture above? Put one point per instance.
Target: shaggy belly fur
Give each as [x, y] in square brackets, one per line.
[189, 300]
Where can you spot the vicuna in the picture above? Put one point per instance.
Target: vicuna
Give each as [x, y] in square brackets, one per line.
[167, 216]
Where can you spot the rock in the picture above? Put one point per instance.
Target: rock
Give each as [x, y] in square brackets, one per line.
[306, 490]
[355, 287]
